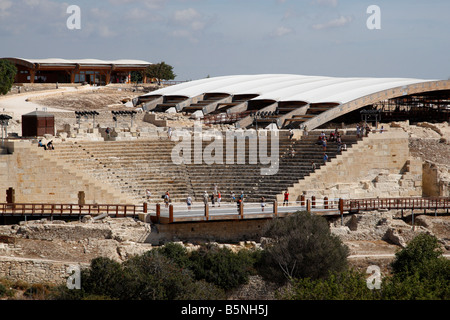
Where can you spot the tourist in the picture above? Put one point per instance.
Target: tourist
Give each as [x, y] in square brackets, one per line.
[212, 199]
[148, 194]
[339, 147]
[324, 144]
[167, 199]
[189, 202]
[50, 145]
[219, 197]
[313, 165]
[292, 152]
[205, 198]
[291, 134]
[263, 203]
[169, 133]
[332, 136]
[325, 158]
[344, 147]
[286, 198]
[358, 131]
[319, 140]
[108, 132]
[242, 196]
[40, 144]
[233, 196]
[239, 204]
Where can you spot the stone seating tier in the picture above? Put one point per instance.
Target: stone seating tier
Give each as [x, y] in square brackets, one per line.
[134, 166]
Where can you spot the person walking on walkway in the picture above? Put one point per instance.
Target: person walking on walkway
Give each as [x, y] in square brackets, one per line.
[286, 198]
[189, 202]
[205, 198]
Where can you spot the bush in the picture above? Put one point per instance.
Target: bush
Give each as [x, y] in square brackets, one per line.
[150, 276]
[347, 285]
[419, 272]
[301, 246]
[221, 266]
[420, 251]
[175, 252]
[37, 291]
[2, 290]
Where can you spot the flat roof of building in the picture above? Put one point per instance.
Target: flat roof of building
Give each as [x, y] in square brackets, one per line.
[81, 62]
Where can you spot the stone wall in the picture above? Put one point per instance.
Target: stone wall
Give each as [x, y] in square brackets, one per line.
[37, 177]
[377, 166]
[36, 270]
[436, 180]
[220, 231]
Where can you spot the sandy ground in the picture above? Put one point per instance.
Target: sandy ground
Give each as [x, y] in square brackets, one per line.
[18, 104]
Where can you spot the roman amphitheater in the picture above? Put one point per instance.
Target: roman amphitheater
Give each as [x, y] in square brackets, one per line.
[100, 191]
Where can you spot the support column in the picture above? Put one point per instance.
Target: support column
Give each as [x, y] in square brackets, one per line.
[32, 75]
[206, 212]
[171, 213]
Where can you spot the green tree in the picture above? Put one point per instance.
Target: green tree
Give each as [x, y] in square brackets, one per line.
[136, 76]
[7, 74]
[419, 252]
[301, 246]
[419, 271]
[160, 71]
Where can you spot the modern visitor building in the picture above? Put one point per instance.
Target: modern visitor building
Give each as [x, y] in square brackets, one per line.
[91, 71]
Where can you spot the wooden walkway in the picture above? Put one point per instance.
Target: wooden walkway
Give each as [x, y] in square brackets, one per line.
[179, 212]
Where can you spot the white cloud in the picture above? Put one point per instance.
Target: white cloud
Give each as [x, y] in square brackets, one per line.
[188, 23]
[331, 3]
[282, 31]
[4, 5]
[151, 4]
[339, 22]
[186, 16]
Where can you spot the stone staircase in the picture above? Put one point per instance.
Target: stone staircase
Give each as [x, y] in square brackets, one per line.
[137, 165]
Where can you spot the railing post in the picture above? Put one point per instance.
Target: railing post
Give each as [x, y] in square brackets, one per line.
[241, 210]
[308, 205]
[313, 201]
[144, 209]
[302, 200]
[341, 210]
[171, 213]
[158, 211]
[206, 212]
[275, 208]
[325, 202]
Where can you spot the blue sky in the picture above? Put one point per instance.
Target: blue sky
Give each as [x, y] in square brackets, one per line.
[222, 37]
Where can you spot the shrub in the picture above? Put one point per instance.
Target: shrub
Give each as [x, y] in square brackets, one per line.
[419, 272]
[346, 285]
[37, 291]
[2, 290]
[221, 266]
[302, 246]
[420, 251]
[175, 252]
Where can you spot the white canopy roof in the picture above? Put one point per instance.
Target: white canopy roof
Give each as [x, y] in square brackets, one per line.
[287, 87]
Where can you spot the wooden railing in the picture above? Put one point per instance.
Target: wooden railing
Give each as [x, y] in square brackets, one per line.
[69, 210]
[355, 205]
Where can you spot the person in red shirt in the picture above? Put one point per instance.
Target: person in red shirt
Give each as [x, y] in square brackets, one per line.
[286, 198]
